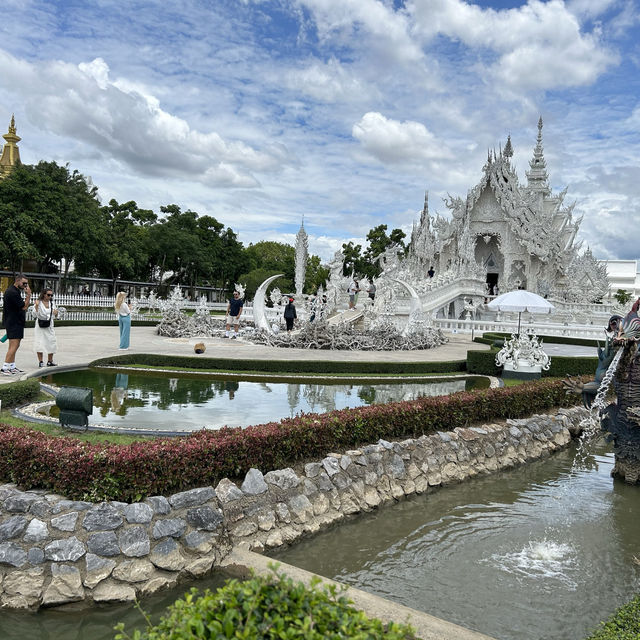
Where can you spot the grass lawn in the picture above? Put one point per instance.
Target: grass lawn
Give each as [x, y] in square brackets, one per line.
[6, 417]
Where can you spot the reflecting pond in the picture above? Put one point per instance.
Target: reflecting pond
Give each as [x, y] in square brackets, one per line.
[189, 402]
[541, 552]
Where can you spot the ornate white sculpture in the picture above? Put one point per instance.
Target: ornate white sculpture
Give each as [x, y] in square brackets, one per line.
[524, 350]
[504, 233]
[302, 255]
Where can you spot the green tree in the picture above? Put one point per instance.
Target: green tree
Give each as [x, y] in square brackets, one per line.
[47, 213]
[122, 253]
[266, 258]
[379, 242]
[316, 274]
[622, 296]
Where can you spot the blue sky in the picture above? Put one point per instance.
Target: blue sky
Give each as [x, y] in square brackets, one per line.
[344, 111]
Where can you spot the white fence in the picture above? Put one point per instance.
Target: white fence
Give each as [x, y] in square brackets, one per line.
[478, 327]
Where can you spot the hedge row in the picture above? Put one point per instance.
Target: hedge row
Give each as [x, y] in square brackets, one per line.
[280, 366]
[269, 607]
[484, 363]
[19, 392]
[490, 336]
[624, 624]
[129, 472]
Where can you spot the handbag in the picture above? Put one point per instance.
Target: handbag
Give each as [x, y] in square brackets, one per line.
[44, 324]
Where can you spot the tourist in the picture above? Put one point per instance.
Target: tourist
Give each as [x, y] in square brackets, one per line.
[353, 290]
[124, 319]
[14, 319]
[44, 335]
[371, 291]
[290, 314]
[431, 272]
[234, 311]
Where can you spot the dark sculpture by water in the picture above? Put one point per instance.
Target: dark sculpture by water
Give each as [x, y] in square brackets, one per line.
[618, 363]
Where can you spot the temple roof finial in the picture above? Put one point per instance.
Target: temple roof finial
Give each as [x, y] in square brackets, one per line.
[508, 148]
[10, 152]
[538, 177]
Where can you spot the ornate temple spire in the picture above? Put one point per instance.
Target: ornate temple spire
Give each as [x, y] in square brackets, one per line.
[302, 254]
[425, 208]
[508, 148]
[10, 153]
[538, 178]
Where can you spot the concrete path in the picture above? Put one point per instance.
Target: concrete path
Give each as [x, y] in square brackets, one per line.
[77, 346]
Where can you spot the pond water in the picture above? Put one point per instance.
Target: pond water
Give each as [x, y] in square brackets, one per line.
[542, 552]
[96, 623]
[169, 403]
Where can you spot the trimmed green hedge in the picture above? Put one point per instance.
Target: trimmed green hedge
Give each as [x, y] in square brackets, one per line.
[624, 624]
[490, 336]
[271, 607]
[280, 366]
[484, 363]
[164, 466]
[19, 392]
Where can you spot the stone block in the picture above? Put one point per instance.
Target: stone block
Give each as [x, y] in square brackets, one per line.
[65, 586]
[331, 466]
[12, 527]
[138, 570]
[254, 483]
[283, 513]
[159, 504]
[266, 521]
[134, 542]
[35, 556]
[157, 584]
[71, 505]
[104, 517]
[199, 567]
[205, 518]
[24, 586]
[111, 591]
[97, 569]
[200, 541]
[166, 555]
[138, 513]
[103, 543]
[66, 522]
[19, 501]
[66, 550]
[192, 498]
[174, 527]
[227, 491]
[284, 479]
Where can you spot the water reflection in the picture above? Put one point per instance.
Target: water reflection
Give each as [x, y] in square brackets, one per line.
[169, 403]
[537, 553]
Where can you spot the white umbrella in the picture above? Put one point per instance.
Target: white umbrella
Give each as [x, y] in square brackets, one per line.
[521, 300]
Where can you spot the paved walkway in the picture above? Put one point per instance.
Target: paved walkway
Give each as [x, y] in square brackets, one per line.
[77, 346]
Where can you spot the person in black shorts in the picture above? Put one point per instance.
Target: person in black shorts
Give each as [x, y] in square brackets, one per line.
[234, 311]
[14, 319]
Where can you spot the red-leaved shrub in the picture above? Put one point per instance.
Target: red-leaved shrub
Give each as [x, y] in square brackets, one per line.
[164, 466]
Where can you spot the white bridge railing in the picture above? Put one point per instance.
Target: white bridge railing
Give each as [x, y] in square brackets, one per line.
[478, 327]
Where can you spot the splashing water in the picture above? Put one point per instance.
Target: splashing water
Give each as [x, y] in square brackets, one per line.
[591, 424]
[545, 559]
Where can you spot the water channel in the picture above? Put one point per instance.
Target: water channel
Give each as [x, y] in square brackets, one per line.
[542, 552]
[189, 402]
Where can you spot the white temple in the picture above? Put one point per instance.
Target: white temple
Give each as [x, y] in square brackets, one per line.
[509, 235]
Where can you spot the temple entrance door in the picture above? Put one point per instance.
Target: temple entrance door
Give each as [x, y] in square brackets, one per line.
[492, 281]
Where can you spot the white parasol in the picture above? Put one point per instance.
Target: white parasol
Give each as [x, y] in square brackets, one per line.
[521, 300]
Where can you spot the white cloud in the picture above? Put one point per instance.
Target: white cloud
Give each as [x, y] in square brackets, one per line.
[81, 102]
[539, 45]
[393, 142]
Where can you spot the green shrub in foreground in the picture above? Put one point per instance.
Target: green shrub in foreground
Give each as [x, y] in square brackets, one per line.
[19, 392]
[624, 624]
[267, 607]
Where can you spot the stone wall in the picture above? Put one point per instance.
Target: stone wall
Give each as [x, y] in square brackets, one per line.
[55, 551]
